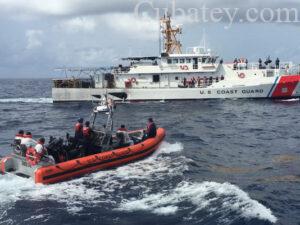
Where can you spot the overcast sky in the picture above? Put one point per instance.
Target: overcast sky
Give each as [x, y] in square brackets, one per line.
[40, 35]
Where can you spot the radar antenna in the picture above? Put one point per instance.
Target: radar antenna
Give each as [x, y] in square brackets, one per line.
[171, 44]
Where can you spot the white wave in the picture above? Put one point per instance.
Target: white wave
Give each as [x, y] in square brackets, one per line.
[231, 198]
[291, 100]
[43, 217]
[168, 148]
[26, 100]
[95, 188]
[144, 178]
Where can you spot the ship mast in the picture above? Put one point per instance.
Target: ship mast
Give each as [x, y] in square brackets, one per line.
[171, 44]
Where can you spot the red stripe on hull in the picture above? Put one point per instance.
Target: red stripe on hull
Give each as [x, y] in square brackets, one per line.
[286, 86]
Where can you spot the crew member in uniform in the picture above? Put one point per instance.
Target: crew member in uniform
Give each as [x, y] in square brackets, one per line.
[78, 131]
[151, 129]
[260, 63]
[277, 62]
[87, 137]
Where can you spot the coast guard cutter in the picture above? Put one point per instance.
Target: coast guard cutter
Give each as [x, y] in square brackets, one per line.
[174, 75]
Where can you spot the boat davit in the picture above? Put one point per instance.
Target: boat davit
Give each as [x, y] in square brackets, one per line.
[71, 162]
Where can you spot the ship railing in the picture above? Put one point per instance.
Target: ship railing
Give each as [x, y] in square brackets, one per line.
[201, 82]
[257, 66]
[73, 83]
[121, 69]
[290, 70]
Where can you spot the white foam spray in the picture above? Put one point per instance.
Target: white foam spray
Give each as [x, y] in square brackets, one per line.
[26, 100]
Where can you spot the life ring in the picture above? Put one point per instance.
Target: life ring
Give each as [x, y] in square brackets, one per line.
[32, 157]
[242, 75]
[184, 67]
[133, 80]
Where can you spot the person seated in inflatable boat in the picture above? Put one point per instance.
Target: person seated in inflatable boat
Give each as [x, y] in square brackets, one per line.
[42, 152]
[123, 139]
[150, 132]
[27, 140]
[88, 138]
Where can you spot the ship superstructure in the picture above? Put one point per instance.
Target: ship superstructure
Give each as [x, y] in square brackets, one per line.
[196, 74]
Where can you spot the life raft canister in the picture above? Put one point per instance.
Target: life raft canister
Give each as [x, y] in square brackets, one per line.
[242, 75]
[184, 67]
[32, 157]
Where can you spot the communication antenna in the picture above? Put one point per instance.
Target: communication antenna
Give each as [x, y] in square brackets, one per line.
[159, 37]
[171, 44]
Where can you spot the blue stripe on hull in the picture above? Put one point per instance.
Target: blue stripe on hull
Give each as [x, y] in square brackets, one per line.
[273, 87]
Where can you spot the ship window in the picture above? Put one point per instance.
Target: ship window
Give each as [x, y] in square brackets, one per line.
[270, 73]
[175, 61]
[182, 60]
[169, 61]
[199, 59]
[176, 78]
[203, 60]
[188, 60]
[155, 78]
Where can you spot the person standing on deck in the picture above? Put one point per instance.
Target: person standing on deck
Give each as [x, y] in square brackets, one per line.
[78, 130]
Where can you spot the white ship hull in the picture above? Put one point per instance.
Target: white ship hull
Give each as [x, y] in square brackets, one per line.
[196, 74]
[280, 87]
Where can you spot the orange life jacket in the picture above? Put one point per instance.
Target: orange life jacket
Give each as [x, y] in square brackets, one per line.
[78, 127]
[19, 135]
[86, 131]
[27, 136]
[122, 129]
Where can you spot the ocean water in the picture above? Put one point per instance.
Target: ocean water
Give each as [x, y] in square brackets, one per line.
[222, 162]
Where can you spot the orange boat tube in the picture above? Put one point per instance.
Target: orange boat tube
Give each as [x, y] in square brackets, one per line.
[77, 167]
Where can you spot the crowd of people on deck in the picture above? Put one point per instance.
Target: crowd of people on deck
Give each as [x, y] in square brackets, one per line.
[243, 63]
[83, 136]
[199, 81]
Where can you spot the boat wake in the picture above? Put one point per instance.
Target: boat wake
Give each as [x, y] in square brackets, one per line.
[26, 100]
[149, 185]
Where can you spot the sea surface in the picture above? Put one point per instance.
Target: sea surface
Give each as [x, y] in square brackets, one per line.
[222, 162]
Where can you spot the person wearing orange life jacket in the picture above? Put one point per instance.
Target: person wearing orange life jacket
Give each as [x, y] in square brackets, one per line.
[78, 130]
[86, 130]
[87, 137]
[19, 135]
[41, 151]
[27, 140]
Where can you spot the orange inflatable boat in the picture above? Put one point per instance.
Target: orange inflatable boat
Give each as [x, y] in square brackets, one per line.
[46, 174]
